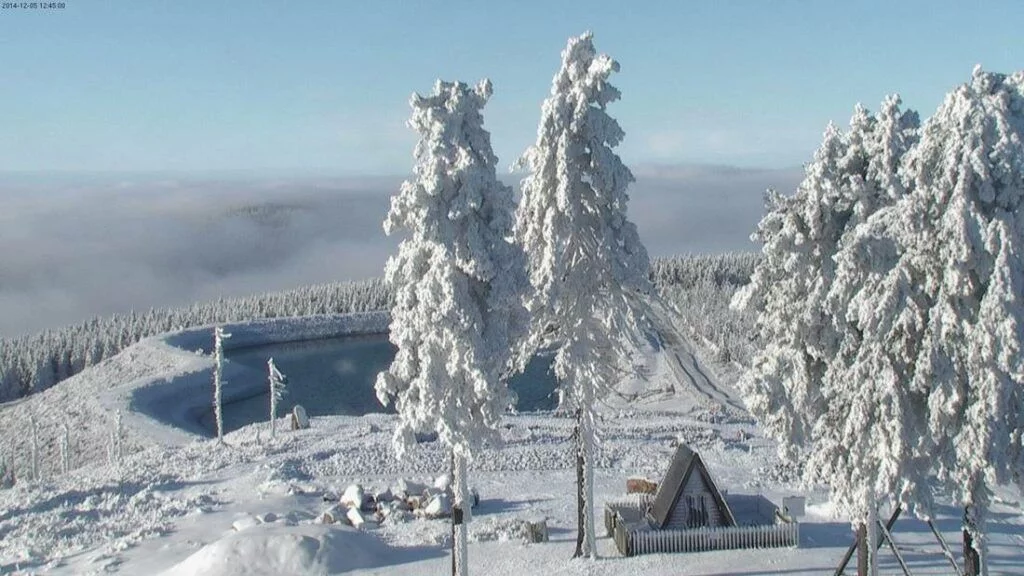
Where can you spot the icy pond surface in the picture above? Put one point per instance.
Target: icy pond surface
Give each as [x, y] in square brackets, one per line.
[336, 376]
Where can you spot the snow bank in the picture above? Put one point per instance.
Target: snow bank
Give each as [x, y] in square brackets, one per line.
[274, 550]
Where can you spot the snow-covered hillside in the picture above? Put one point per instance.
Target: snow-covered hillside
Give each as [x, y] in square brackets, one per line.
[171, 503]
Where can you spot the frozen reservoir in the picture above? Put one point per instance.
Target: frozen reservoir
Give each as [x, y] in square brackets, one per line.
[335, 376]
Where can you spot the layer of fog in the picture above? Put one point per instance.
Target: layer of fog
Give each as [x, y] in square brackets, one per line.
[76, 246]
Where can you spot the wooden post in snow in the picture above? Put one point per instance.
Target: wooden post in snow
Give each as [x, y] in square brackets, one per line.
[862, 549]
[853, 547]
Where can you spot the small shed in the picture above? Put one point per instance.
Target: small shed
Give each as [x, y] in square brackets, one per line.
[688, 497]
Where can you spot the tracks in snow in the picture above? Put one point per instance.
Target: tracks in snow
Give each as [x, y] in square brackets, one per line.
[687, 367]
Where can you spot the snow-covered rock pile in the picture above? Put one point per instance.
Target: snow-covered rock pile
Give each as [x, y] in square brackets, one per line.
[399, 503]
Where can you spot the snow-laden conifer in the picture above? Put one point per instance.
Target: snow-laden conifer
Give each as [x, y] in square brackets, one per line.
[824, 386]
[799, 234]
[218, 378]
[277, 390]
[866, 444]
[586, 263]
[457, 282]
[968, 178]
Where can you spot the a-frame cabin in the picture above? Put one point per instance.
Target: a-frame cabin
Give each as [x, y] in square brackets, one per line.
[687, 497]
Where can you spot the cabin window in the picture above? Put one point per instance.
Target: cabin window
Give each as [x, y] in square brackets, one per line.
[697, 512]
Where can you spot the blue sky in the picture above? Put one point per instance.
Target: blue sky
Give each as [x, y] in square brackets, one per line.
[322, 87]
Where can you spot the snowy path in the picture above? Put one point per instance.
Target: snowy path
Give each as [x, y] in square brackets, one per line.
[690, 371]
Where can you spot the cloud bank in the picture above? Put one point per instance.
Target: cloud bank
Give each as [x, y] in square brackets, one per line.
[77, 246]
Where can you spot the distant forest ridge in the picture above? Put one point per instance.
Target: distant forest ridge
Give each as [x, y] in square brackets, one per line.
[33, 363]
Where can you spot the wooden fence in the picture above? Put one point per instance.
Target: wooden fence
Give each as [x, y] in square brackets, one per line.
[633, 542]
[633, 537]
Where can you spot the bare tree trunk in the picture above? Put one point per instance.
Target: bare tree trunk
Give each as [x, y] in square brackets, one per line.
[583, 434]
[862, 550]
[451, 472]
[973, 565]
[588, 449]
[218, 381]
[65, 450]
[580, 502]
[872, 534]
[856, 542]
[34, 447]
[460, 516]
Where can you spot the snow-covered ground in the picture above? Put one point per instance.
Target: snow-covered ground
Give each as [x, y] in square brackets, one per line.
[170, 505]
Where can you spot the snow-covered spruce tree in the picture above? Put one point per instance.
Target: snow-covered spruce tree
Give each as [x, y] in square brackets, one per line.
[822, 246]
[866, 443]
[782, 387]
[968, 179]
[588, 268]
[218, 372]
[277, 390]
[458, 282]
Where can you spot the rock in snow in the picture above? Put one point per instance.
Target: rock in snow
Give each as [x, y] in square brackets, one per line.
[300, 420]
[406, 489]
[334, 514]
[355, 517]
[439, 506]
[245, 522]
[355, 497]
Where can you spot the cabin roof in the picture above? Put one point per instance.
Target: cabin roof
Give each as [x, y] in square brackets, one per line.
[684, 463]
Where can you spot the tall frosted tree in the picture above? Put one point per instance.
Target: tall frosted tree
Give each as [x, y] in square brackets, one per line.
[782, 388]
[219, 335]
[276, 380]
[865, 445]
[458, 281]
[968, 178]
[826, 384]
[586, 263]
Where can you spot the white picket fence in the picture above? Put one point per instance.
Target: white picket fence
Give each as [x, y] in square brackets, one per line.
[633, 542]
[623, 522]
